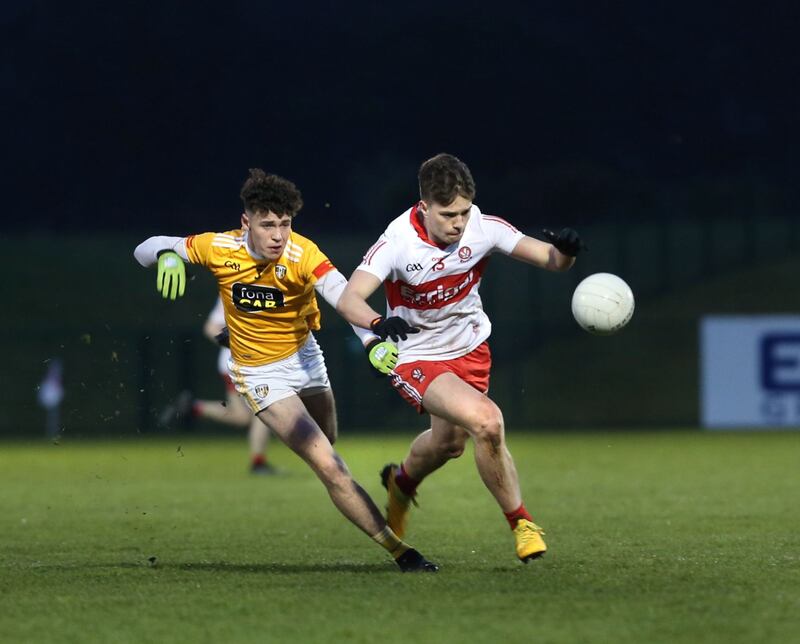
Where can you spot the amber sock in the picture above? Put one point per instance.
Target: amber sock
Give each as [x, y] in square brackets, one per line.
[387, 539]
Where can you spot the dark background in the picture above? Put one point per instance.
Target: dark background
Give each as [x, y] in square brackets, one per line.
[146, 116]
[665, 132]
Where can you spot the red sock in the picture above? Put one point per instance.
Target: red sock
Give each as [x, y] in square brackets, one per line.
[405, 482]
[515, 515]
[259, 459]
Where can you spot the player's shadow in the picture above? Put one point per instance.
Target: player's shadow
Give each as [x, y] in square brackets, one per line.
[277, 568]
[271, 568]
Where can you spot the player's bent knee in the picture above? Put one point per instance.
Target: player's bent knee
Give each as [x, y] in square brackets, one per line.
[488, 425]
[332, 472]
[489, 432]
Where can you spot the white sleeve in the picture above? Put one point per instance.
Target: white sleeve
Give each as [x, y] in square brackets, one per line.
[379, 259]
[503, 236]
[217, 315]
[330, 287]
[146, 253]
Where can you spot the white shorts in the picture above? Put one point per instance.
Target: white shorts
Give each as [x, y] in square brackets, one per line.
[302, 373]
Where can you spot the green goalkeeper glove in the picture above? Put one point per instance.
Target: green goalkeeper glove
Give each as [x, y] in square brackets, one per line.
[171, 279]
[382, 356]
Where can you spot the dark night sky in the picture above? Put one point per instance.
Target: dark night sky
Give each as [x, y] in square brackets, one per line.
[145, 116]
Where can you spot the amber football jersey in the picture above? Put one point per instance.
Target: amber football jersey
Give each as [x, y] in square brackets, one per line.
[270, 307]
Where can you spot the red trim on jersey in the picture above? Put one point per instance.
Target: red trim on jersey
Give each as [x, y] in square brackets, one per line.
[416, 222]
[434, 294]
[189, 241]
[499, 220]
[371, 252]
[323, 268]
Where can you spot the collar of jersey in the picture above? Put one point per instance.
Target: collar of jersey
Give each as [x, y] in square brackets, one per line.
[416, 222]
[249, 250]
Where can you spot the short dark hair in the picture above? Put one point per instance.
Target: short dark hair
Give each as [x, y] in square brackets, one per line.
[443, 177]
[264, 192]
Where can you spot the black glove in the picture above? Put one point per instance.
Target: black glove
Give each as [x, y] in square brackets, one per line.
[567, 242]
[394, 328]
[223, 338]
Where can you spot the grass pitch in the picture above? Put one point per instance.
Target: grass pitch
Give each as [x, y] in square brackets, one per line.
[657, 537]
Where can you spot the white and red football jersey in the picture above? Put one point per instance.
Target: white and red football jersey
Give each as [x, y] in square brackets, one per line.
[435, 288]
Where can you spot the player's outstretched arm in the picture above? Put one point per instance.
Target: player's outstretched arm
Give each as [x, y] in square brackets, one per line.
[382, 356]
[557, 255]
[354, 308]
[169, 253]
[330, 287]
[147, 252]
[352, 305]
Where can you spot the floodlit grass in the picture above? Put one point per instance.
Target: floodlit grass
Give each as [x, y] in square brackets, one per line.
[654, 537]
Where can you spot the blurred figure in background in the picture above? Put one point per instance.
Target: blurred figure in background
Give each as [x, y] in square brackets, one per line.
[234, 410]
[50, 395]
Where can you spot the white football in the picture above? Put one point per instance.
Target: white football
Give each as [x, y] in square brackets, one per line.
[602, 303]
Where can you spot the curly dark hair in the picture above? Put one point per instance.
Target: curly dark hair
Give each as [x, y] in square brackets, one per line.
[264, 192]
[443, 177]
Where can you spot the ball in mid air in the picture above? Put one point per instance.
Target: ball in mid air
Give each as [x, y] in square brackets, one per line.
[602, 303]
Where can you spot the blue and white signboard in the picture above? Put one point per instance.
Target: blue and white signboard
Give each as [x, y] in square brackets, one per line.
[750, 371]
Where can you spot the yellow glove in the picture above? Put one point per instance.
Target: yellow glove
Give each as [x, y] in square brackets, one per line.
[382, 356]
[171, 279]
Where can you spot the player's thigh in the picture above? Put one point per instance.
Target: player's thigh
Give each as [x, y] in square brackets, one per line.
[450, 399]
[322, 407]
[289, 419]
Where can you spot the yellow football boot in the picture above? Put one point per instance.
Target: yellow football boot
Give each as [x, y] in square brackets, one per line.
[530, 544]
[397, 508]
